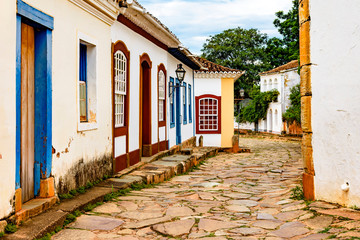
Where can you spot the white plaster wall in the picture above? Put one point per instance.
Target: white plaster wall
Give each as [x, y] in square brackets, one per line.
[7, 105]
[290, 79]
[187, 130]
[162, 136]
[137, 45]
[247, 126]
[210, 140]
[335, 50]
[72, 145]
[120, 146]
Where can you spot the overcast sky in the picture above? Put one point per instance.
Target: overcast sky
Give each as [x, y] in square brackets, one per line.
[193, 21]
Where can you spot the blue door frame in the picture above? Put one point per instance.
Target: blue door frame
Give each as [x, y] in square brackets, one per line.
[44, 25]
[178, 113]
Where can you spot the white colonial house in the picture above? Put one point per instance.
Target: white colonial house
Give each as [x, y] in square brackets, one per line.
[282, 78]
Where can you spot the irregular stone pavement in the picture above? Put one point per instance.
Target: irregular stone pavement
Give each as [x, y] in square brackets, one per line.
[230, 196]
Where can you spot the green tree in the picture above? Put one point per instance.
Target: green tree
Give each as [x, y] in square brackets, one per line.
[293, 113]
[258, 106]
[284, 50]
[241, 49]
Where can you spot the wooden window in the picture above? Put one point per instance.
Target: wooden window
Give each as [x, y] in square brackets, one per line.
[172, 110]
[190, 109]
[120, 71]
[208, 114]
[184, 103]
[83, 83]
[161, 96]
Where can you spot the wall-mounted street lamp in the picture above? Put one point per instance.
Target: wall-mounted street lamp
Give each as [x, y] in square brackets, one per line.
[180, 75]
[242, 93]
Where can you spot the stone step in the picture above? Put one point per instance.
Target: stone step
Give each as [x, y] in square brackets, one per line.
[33, 208]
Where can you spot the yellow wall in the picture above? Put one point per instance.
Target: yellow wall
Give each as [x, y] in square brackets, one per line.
[227, 112]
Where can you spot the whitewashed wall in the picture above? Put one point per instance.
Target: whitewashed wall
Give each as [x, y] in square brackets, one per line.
[7, 105]
[208, 86]
[187, 130]
[335, 50]
[137, 45]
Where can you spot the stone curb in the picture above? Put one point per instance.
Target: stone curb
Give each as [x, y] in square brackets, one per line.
[159, 168]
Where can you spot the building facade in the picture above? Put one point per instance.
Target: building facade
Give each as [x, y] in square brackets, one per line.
[282, 78]
[89, 89]
[330, 96]
[214, 102]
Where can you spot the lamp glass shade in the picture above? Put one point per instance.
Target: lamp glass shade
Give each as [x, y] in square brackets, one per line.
[180, 73]
[242, 92]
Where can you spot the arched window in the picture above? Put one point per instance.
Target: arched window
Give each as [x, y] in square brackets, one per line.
[162, 94]
[265, 85]
[276, 84]
[208, 111]
[120, 71]
[270, 85]
[276, 117]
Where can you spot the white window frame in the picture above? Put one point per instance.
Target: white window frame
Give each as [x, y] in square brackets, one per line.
[162, 95]
[92, 76]
[120, 90]
[209, 115]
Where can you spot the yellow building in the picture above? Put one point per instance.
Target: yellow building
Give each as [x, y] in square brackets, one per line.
[214, 103]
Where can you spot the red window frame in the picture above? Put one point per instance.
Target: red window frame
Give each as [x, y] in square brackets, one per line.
[197, 106]
[161, 67]
[121, 131]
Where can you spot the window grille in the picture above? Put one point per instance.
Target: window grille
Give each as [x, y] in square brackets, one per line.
[161, 95]
[208, 114]
[120, 87]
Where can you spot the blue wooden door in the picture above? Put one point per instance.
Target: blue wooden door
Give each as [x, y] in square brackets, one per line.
[178, 114]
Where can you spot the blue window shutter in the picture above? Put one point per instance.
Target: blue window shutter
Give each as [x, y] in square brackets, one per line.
[83, 63]
[172, 110]
[190, 99]
[185, 103]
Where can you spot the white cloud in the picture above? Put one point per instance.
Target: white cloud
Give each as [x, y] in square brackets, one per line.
[193, 21]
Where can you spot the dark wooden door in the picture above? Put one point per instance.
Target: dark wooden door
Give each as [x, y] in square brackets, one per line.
[146, 109]
[27, 111]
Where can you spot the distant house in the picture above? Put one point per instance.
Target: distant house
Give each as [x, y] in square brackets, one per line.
[282, 78]
[214, 102]
[330, 87]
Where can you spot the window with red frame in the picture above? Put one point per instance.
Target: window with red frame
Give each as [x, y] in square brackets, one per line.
[208, 114]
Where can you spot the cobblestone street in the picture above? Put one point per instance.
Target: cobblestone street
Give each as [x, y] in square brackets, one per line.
[230, 196]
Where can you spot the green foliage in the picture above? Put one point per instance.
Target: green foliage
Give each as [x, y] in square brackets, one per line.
[69, 219]
[121, 192]
[241, 49]
[58, 229]
[91, 206]
[286, 49]
[257, 108]
[2, 234]
[11, 228]
[297, 193]
[326, 230]
[65, 196]
[293, 113]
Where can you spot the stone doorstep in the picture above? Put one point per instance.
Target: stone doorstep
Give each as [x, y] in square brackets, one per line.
[33, 208]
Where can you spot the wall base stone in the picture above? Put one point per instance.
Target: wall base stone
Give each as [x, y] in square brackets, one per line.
[47, 188]
[81, 173]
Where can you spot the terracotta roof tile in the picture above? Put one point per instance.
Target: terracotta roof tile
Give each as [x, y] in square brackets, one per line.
[292, 64]
[213, 67]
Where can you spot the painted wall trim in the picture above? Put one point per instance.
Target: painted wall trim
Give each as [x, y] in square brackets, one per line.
[43, 92]
[18, 101]
[35, 15]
